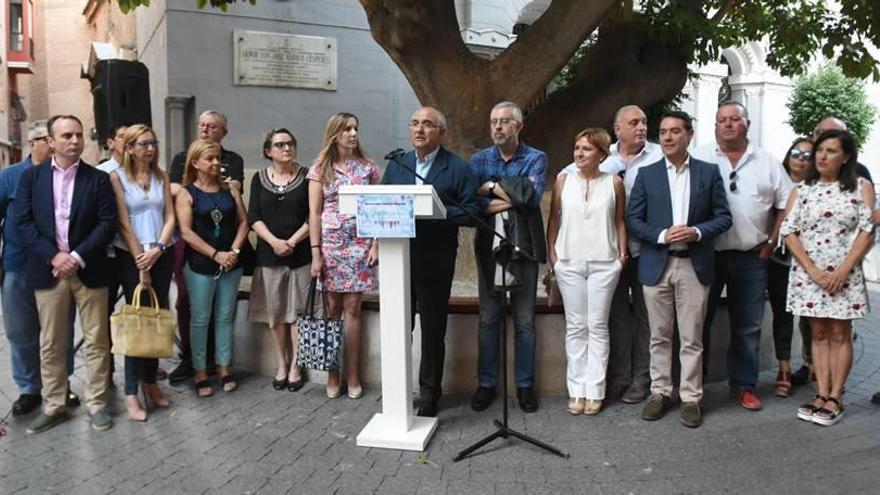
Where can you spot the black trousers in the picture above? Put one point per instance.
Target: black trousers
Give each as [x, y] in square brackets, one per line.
[431, 300]
[783, 321]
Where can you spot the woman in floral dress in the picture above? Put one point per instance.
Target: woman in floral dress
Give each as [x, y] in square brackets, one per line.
[344, 262]
[828, 230]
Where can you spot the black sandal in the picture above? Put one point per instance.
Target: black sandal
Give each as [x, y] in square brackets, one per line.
[826, 417]
[203, 385]
[807, 409]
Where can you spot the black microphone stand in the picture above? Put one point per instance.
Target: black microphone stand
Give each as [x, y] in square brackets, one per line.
[504, 253]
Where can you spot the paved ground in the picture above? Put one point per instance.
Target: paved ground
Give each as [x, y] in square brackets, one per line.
[257, 440]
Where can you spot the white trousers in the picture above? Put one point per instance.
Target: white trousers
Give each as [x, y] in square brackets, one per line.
[587, 289]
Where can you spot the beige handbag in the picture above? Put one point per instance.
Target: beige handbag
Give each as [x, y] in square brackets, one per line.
[141, 331]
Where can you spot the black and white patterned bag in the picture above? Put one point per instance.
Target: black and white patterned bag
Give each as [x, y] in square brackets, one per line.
[320, 337]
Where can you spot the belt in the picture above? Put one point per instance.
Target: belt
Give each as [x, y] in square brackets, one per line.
[682, 253]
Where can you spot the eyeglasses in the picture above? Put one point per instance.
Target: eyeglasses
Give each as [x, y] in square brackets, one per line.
[43, 139]
[800, 155]
[147, 144]
[210, 127]
[280, 145]
[425, 124]
[732, 178]
[501, 121]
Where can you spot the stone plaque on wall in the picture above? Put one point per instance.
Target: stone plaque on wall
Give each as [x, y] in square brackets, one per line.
[284, 60]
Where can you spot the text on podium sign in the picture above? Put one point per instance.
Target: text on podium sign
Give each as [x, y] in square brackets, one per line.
[386, 215]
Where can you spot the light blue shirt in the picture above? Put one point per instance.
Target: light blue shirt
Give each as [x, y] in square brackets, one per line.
[423, 167]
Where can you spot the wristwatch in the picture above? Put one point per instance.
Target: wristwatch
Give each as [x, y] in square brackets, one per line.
[236, 251]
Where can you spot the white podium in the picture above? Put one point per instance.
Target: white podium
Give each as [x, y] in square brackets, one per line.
[396, 427]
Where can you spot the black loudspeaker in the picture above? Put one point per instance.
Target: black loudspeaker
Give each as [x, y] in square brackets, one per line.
[121, 94]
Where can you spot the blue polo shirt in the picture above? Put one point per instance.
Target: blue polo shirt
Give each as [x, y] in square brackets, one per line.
[14, 252]
[488, 164]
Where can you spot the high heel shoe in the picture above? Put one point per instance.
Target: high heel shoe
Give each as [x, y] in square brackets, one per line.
[355, 392]
[153, 396]
[333, 391]
[782, 386]
[135, 411]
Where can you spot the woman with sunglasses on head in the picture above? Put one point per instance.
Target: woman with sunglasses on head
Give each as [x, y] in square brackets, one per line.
[344, 262]
[146, 227]
[828, 230]
[796, 164]
[278, 212]
[214, 225]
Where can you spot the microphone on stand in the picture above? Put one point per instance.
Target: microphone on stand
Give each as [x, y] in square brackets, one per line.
[394, 155]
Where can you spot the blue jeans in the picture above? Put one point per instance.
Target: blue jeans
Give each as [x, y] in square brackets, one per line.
[745, 275]
[522, 307]
[210, 297]
[22, 324]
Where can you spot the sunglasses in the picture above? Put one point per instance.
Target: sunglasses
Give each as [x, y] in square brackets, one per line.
[732, 178]
[800, 155]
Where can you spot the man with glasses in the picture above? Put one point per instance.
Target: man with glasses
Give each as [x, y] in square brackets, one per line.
[512, 162]
[435, 246]
[20, 318]
[213, 126]
[757, 190]
[66, 216]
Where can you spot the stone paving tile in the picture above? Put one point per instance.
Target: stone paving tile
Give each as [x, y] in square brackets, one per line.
[257, 440]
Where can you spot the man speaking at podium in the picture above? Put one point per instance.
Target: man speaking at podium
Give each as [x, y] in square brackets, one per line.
[433, 250]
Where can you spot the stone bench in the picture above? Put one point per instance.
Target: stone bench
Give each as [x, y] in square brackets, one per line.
[254, 346]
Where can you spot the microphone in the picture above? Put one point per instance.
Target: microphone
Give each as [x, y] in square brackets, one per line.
[394, 155]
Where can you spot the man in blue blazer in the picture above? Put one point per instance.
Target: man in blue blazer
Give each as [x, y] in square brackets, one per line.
[66, 217]
[677, 208]
[435, 246]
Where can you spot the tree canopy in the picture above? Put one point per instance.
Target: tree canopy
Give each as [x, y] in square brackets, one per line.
[829, 93]
[635, 56]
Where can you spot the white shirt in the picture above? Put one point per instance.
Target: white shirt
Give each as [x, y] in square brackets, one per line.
[762, 186]
[424, 166]
[109, 166]
[651, 153]
[680, 194]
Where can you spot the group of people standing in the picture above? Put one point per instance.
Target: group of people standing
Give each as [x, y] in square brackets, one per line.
[642, 239]
[725, 216]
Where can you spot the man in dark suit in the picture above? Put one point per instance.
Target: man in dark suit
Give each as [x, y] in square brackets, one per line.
[434, 248]
[677, 208]
[66, 218]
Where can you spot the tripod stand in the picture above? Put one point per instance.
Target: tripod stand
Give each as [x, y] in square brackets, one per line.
[502, 430]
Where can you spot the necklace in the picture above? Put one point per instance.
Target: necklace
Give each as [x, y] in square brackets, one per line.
[215, 213]
[280, 187]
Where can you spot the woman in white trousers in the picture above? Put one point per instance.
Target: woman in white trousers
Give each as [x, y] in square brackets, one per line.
[586, 240]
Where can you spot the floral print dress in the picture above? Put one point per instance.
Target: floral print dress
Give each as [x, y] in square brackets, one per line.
[345, 254]
[827, 220]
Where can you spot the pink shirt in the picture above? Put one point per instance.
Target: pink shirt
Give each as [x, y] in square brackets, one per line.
[62, 197]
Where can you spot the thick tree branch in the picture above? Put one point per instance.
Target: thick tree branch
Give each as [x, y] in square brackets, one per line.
[624, 67]
[521, 72]
[722, 12]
